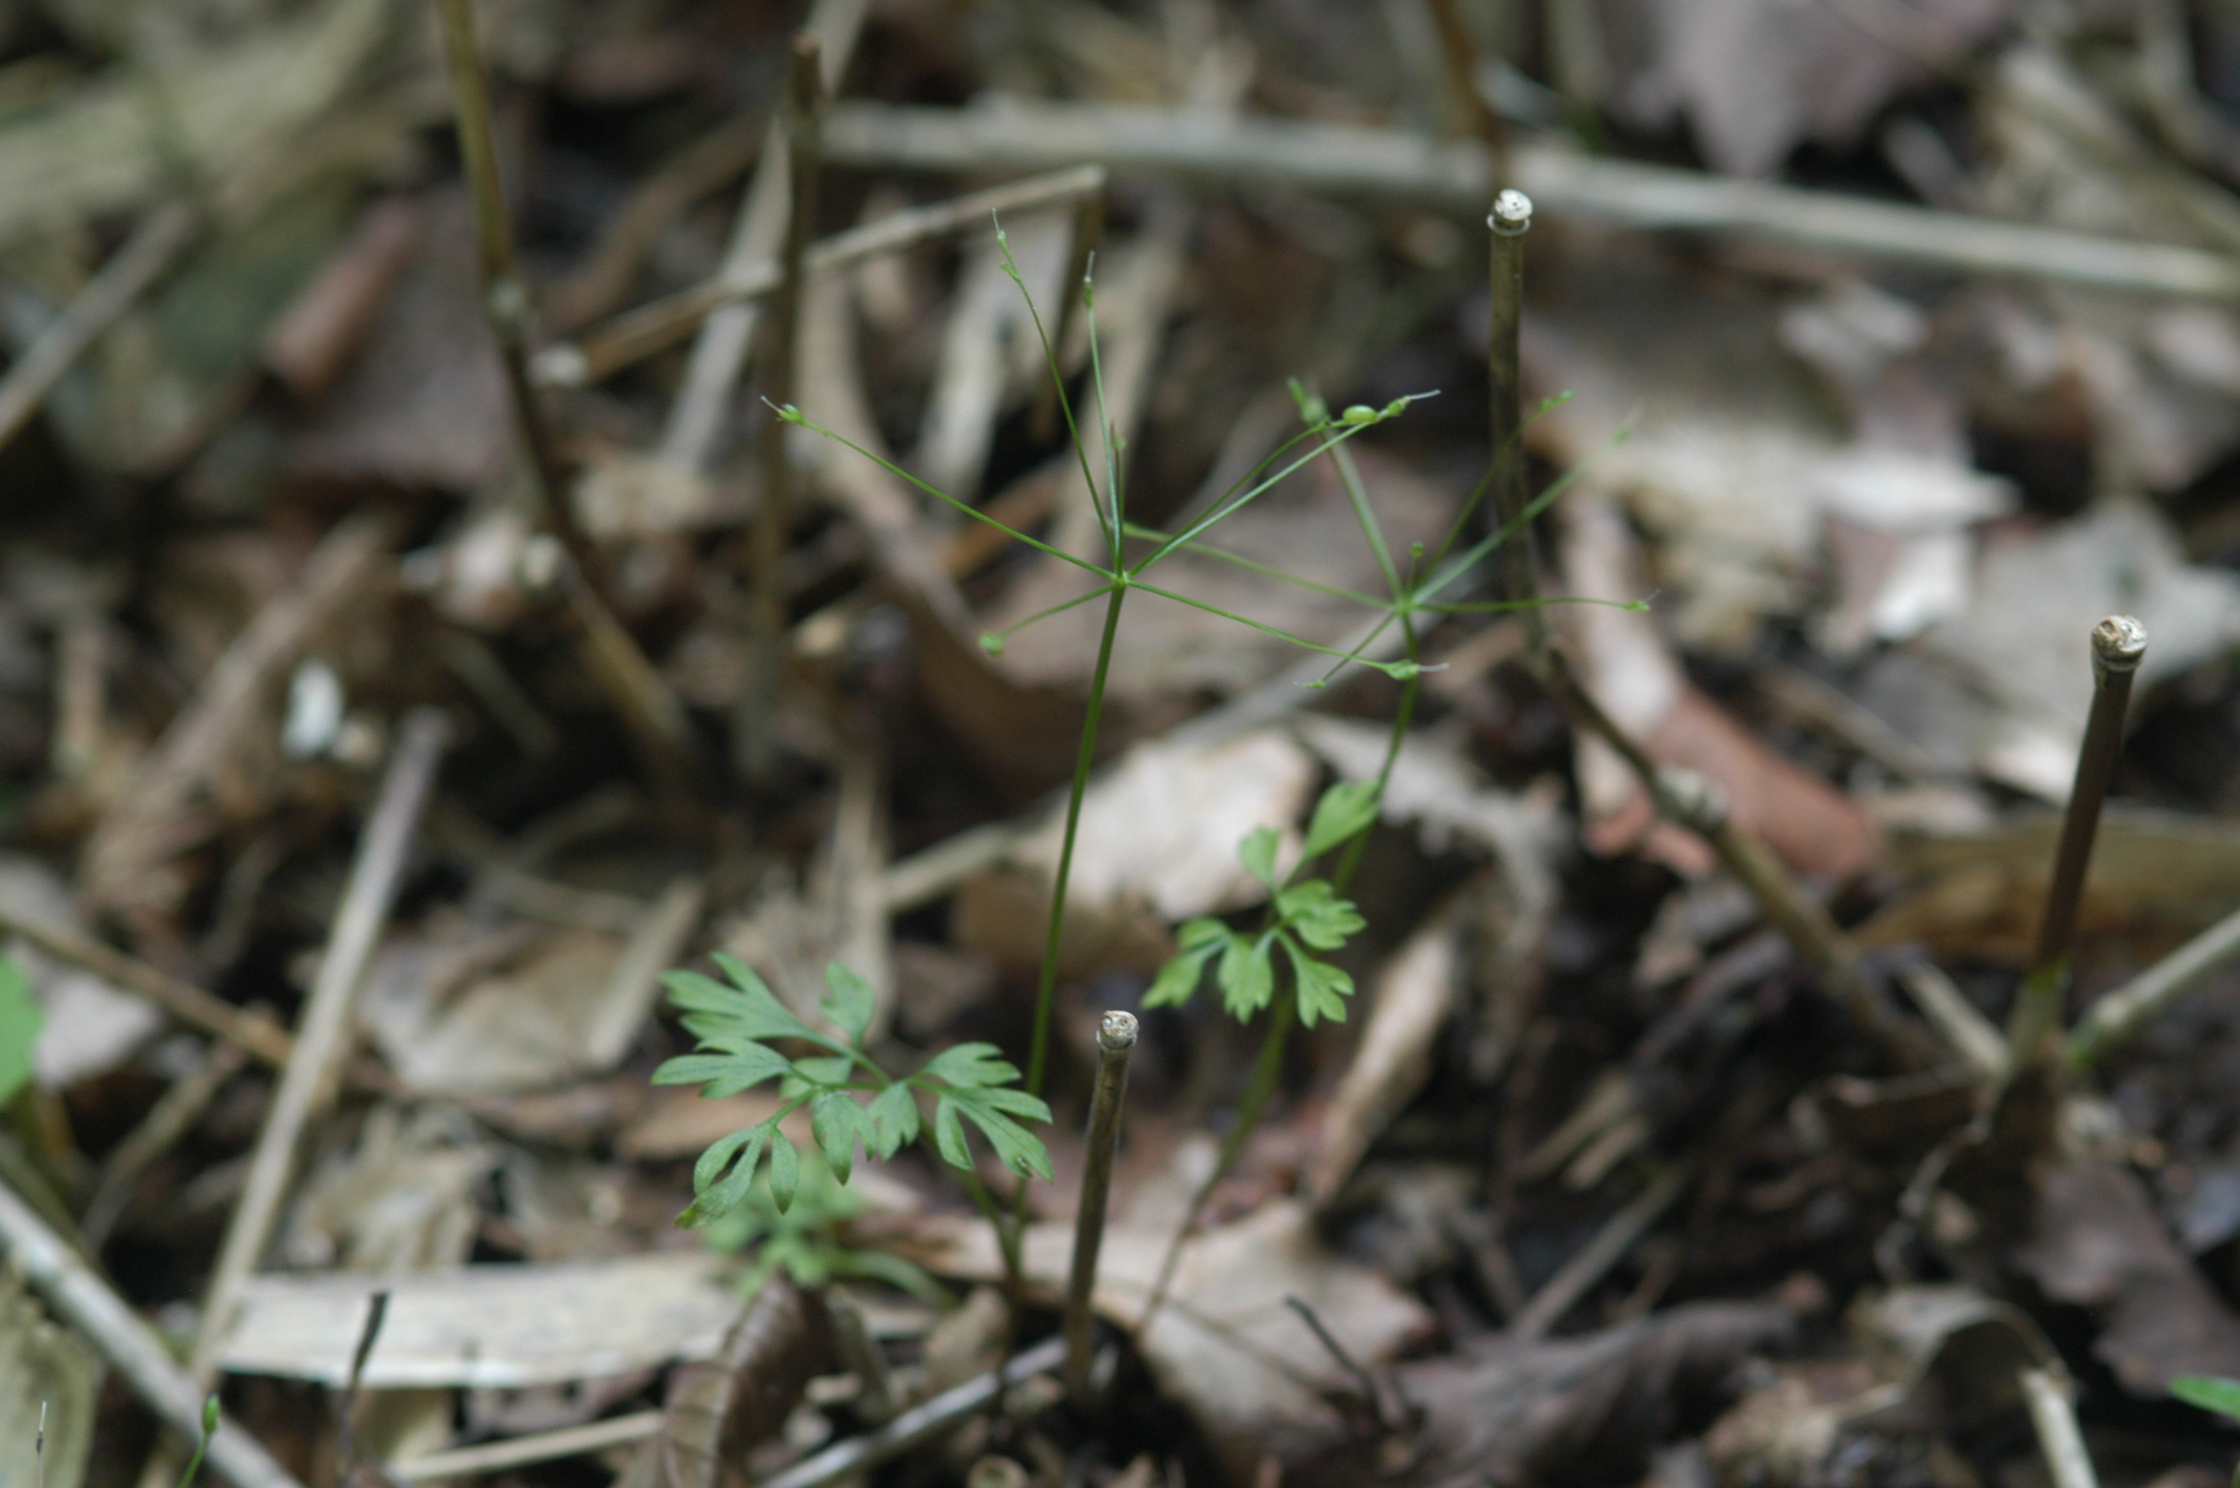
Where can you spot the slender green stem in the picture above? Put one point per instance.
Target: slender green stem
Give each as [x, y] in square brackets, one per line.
[1248, 622]
[1265, 570]
[1046, 987]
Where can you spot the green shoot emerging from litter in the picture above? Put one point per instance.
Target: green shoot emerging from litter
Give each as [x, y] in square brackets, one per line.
[739, 1026]
[202, 1447]
[807, 1241]
[1302, 918]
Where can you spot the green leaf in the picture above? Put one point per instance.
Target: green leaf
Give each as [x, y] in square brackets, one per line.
[785, 1169]
[1345, 810]
[970, 1065]
[713, 1200]
[1013, 1144]
[2209, 1392]
[1178, 979]
[1195, 934]
[1322, 988]
[835, 1118]
[849, 1002]
[890, 1122]
[824, 1073]
[747, 1009]
[21, 1018]
[1258, 854]
[1321, 918]
[948, 1134]
[727, 1073]
[1246, 975]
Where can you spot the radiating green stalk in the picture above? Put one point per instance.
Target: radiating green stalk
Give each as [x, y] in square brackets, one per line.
[1046, 984]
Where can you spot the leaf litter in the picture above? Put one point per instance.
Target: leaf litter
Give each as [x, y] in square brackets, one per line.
[1572, 1173]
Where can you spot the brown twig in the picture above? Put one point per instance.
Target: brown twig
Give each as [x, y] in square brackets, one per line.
[754, 737]
[720, 354]
[188, 1003]
[659, 324]
[1459, 54]
[158, 1132]
[1116, 1043]
[649, 709]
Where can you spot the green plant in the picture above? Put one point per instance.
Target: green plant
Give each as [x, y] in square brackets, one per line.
[2221, 1396]
[21, 1019]
[806, 1239]
[736, 1023]
[202, 1447]
[1302, 918]
[737, 1026]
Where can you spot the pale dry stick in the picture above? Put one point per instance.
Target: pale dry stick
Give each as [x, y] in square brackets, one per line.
[155, 245]
[720, 354]
[1972, 1036]
[306, 1084]
[2119, 644]
[919, 1423]
[2055, 1421]
[1116, 1043]
[260, 1036]
[1352, 160]
[526, 1451]
[754, 732]
[82, 1299]
[636, 334]
[1577, 1276]
[2117, 1018]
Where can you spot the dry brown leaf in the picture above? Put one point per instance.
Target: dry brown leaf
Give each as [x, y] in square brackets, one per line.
[2096, 1242]
[1815, 828]
[1756, 78]
[1226, 1346]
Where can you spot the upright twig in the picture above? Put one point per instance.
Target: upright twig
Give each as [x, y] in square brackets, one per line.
[648, 708]
[307, 1084]
[1116, 1042]
[1511, 220]
[346, 1443]
[1459, 54]
[754, 736]
[1685, 799]
[81, 1298]
[2119, 644]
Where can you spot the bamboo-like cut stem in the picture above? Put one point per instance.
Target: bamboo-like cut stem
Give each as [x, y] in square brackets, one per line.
[2119, 644]
[1116, 1043]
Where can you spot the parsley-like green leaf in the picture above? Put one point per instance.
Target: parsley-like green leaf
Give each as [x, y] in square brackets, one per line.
[1246, 975]
[969, 1065]
[725, 1073]
[835, 1118]
[948, 1134]
[1178, 979]
[849, 1000]
[1345, 810]
[1017, 1148]
[1258, 854]
[1322, 988]
[742, 1152]
[785, 1169]
[21, 1019]
[890, 1122]
[1320, 917]
[2209, 1392]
